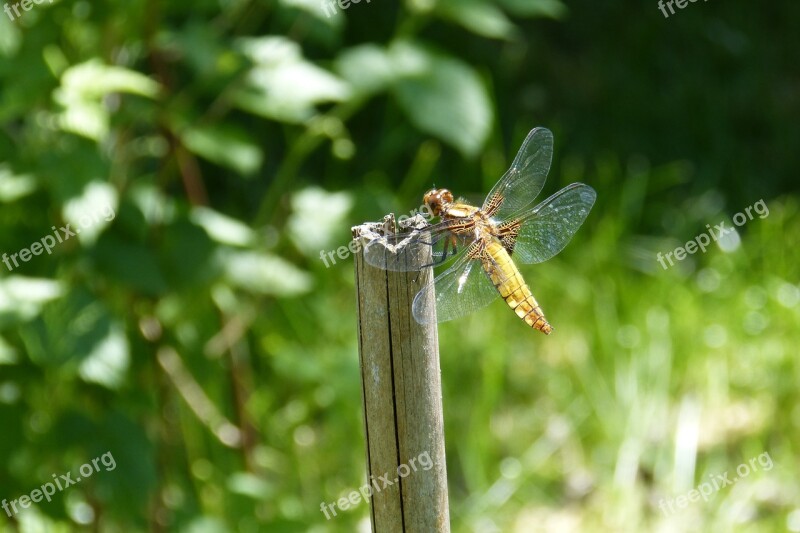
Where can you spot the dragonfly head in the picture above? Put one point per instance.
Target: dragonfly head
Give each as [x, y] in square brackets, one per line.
[436, 199]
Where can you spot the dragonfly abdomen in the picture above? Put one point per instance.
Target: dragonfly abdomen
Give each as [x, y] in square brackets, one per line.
[512, 287]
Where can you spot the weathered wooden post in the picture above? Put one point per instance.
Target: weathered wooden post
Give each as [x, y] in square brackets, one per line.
[402, 395]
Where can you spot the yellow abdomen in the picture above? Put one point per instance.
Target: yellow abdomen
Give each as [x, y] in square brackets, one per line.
[508, 281]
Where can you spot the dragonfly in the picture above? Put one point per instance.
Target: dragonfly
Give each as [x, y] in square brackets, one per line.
[482, 246]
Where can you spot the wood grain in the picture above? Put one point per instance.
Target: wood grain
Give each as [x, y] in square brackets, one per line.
[402, 396]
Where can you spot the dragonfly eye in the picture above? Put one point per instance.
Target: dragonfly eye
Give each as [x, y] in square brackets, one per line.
[436, 198]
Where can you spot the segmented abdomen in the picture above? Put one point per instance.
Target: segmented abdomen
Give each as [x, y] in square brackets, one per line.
[508, 281]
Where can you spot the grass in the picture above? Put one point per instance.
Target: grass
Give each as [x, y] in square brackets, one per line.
[653, 381]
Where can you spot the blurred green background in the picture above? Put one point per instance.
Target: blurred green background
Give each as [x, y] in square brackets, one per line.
[218, 147]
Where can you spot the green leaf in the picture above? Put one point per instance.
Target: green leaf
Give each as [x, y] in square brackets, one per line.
[22, 298]
[188, 255]
[92, 211]
[313, 8]
[282, 85]
[10, 37]
[55, 59]
[311, 205]
[13, 186]
[265, 274]
[554, 9]
[133, 478]
[86, 118]
[129, 263]
[155, 207]
[108, 361]
[67, 331]
[444, 97]
[478, 16]
[83, 88]
[224, 146]
[8, 354]
[222, 228]
[204, 50]
[94, 80]
[205, 524]
[367, 68]
[250, 485]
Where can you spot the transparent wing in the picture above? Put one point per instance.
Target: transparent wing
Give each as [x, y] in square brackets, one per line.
[405, 252]
[458, 291]
[523, 182]
[549, 226]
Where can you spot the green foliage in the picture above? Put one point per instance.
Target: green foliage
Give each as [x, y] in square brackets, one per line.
[210, 153]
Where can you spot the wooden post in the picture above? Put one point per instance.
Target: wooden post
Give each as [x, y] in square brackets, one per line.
[402, 396]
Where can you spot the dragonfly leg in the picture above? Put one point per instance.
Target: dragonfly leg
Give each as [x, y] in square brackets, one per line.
[438, 261]
[445, 253]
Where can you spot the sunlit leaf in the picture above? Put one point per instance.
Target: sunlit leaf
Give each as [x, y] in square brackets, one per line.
[155, 206]
[8, 354]
[108, 361]
[82, 89]
[92, 211]
[14, 186]
[265, 274]
[367, 68]
[311, 206]
[32, 520]
[10, 37]
[250, 485]
[224, 146]
[478, 16]
[446, 98]
[67, 331]
[93, 79]
[22, 298]
[282, 85]
[222, 228]
[81, 117]
[55, 59]
[205, 524]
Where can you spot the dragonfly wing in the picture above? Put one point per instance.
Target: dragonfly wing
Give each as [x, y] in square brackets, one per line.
[523, 182]
[458, 291]
[548, 227]
[398, 252]
[404, 252]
